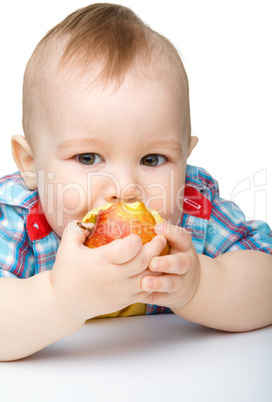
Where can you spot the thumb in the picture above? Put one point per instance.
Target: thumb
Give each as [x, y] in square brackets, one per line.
[75, 232]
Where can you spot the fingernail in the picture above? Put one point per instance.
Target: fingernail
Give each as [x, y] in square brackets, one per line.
[163, 240]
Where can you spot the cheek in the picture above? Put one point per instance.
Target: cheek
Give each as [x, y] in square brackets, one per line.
[166, 195]
[71, 197]
[62, 202]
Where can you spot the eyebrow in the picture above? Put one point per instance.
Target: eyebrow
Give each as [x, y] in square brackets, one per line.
[168, 144]
[79, 142]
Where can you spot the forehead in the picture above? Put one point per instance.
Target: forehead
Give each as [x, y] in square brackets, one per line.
[67, 81]
[67, 89]
[139, 92]
[48, 71]
[139, 114]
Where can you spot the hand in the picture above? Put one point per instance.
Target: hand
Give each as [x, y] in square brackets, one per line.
[180, 270]
[92, 282]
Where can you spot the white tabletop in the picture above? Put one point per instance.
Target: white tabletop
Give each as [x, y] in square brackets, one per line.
[155, 358]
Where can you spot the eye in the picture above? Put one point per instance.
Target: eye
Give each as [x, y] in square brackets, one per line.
[153, 160]
[89, 158]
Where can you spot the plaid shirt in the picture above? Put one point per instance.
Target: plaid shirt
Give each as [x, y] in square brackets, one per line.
[28, 245]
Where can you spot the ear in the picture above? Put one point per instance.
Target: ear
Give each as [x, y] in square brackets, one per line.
[193, 142]
[23, 157]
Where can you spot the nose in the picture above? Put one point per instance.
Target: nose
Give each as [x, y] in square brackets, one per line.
[124, 186]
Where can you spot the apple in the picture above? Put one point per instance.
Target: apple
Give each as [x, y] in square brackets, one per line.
[118, 220]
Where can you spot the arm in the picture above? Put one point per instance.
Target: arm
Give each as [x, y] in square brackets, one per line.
[31, 316]
[83, 284]
[232, 292]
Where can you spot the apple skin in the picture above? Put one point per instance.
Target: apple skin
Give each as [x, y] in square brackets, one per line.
[118, 220]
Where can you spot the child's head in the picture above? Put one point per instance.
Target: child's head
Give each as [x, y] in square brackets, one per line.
[105, 115]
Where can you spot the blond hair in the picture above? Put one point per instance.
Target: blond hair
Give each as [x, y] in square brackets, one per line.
[111, 36]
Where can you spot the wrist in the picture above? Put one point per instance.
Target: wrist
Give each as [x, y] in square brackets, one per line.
[63, 304]
[191, 305]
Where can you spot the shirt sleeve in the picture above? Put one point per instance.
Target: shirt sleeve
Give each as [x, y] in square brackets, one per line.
[16, 256]
[228, 230]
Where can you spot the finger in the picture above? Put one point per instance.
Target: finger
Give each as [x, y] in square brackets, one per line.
[74, 234]
[164, 283]
[178, 237]
[149, 251]
[121, 251]
[178, 264]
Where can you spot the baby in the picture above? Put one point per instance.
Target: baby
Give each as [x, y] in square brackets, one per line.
[106, 117]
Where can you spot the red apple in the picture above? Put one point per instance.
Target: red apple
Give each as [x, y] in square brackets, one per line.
[118, 220]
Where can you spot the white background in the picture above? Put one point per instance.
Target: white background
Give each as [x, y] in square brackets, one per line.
[226, 48]
[155, 358]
